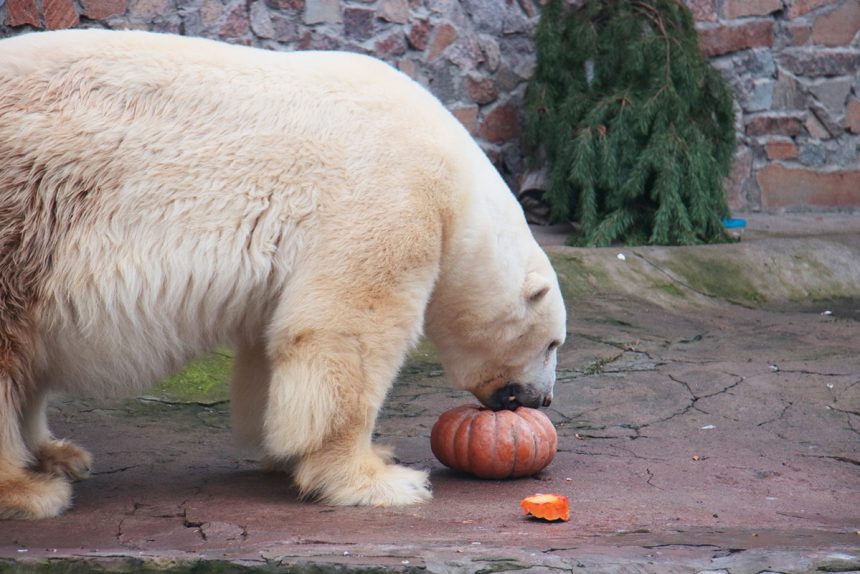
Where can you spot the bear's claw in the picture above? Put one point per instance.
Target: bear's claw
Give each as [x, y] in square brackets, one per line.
[65, 459]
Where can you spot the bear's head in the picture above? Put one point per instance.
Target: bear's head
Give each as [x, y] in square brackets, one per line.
[498, 336]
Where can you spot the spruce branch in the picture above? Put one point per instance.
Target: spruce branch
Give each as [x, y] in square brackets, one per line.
[637, 129]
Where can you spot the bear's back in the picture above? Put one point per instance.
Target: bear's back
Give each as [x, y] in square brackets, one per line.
[174, 183]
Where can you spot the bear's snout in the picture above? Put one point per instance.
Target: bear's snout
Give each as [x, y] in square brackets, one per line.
[514, 395]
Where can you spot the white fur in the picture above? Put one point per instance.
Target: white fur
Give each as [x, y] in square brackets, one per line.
[312, 209]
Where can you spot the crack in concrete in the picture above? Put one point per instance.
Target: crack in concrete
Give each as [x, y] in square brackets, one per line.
[815, 373]
[624, 347]
[581, 414]
[837, 458]
[681, 545]
[598, 365]
[588, 453]
[206, 404]
[650, 478]
[851, 427]
[844, 411]
[696, 362]
[197, 526]
[115, 470]
[636, 455]
[787, 405]
[692, 406]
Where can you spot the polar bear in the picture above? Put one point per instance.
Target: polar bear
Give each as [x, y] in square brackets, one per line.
[162, 195]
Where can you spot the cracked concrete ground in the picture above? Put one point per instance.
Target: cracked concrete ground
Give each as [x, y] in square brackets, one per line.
[708, 411]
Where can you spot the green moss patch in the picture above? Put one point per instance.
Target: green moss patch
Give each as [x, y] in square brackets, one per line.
[668, 288]
[205, 380]
[576, 278]
[720, 278]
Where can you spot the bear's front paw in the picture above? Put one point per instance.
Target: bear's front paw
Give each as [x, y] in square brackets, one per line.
[63, 458]
[398, 486]
[363, 481]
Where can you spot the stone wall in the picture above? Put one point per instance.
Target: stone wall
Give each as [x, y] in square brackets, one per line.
[475, 55]
[793, 64]
[795, 69]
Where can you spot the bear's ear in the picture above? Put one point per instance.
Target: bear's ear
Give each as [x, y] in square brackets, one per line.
[536, 287]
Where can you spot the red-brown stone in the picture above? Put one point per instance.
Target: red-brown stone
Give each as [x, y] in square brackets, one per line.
[21, 13]
[396, 11]
[482, 90]
[817, 63]
[146, 10]
[236, 24]
[443, 37]
[286, 4]
[100, 9]
[799, 33]
[501, 124]
[468, 116]
[800, 7]
[767, 124]
[316, 41]
[408, 67]
[852, 116]
[418, 34]
[390, 46]
[703, 10]
[60, 14]
[783, 187]
[838, 28]
[784, 149]
[743, 8]
[358, 23]
[725, 39]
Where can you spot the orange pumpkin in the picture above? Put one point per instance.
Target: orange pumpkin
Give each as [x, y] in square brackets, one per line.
[494, 444]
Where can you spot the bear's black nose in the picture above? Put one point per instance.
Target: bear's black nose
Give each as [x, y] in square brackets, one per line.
[514, 395]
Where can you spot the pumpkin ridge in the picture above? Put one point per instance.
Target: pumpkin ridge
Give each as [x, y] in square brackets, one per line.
[465, 453]
[535, 446]
[524, 431]
[552, 442]
[495, 443]
[474, 446]
[543, 449]
[443, 436]
[515, 437]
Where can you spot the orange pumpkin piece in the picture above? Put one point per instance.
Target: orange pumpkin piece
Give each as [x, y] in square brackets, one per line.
[494, 444]
[546, 506]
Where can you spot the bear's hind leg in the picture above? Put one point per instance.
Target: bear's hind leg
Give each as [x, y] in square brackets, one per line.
[24, 494]
[58, 457]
